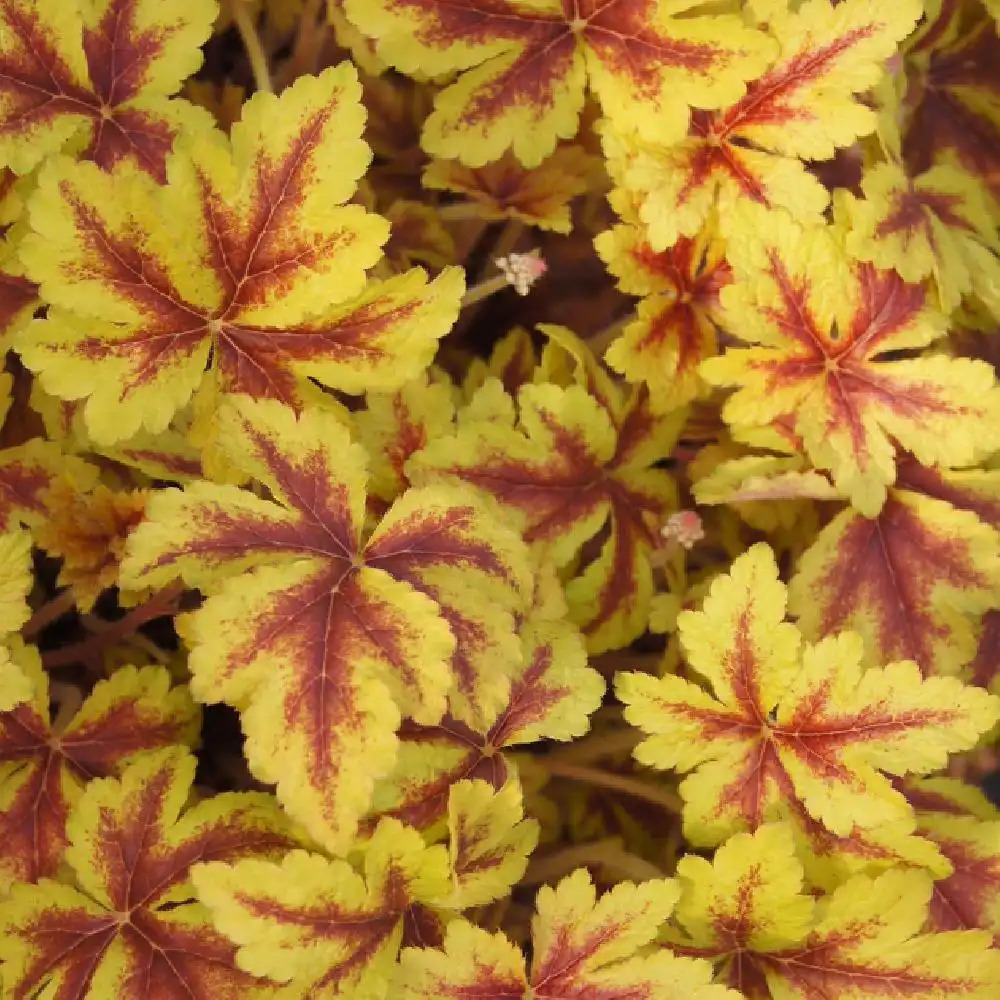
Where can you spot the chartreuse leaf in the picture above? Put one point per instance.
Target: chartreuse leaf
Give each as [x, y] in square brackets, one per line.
[16, 579]
[101, 73]
[524, 66]
[801, 108]
[937, 224]
[819, 326]
[129, 925]
[269, 280]
[324, 634]
[318, 921]
[28, 472]
[911, 581]
[783, 723]
[583, 948]
[489, 841]
[42, 774]
[552, 695]
[747, 912]
[569, 468]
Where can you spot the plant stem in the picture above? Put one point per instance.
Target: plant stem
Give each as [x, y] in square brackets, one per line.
[49, 612]
[661, 797]
[163, 602]
[459, 211]
[484, 290]
[607, 854]
[253, 45]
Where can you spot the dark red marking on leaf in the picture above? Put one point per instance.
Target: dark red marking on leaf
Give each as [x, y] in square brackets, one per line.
[909, 213]
[22, 483]
[951, 99]
[33, 825]
[984, 502]
[985, 667]
[894, 562]
[40, 86]
[17, 296]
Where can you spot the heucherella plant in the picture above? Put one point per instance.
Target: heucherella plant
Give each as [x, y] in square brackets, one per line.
[499, 499]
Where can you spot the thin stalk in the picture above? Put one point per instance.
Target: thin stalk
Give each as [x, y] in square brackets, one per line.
[253, 45]
[607, 854]
[49, 612]
[661, 797]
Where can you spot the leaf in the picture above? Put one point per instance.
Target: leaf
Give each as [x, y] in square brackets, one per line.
[269, 280]
[318, 921]
[323, 634]
[570, 468]
[820, 328]
[100, 74]
[489, 842]
[129, 927]
[937, 224]
[524, 67]
[781, 723]
[394, 427]
[505, 189]
[747, 912]
[27, 472]
[952, 89]
[582, 947]
[800, 108]
[88, 531]
[911, 581]
[42, 772]
[675, 328]
[16, 580]
[552, 694]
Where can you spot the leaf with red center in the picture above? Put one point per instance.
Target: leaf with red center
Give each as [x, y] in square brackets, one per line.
[320, 634]
[42, 772]
[552, 695]
[18, 295]
[952, 91]
[910, 581]
[100, 73]
[507, 190]
[821, 327]
[583, 948]
[801, 108]
[985, 667]
[318, 921]
[746, 911]
[129, 926]
[526, 66]
[675, 327]
[28, 472]
[938, 225]
[780, 724]
[269, 279]
[572, 473]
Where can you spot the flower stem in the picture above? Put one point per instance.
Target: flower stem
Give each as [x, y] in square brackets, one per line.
[607, 854]
[661, 797]
[253, 45]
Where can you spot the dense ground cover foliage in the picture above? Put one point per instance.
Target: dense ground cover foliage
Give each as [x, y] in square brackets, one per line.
[499, 499]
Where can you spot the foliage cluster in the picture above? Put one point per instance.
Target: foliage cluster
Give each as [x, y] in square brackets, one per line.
[508, 509]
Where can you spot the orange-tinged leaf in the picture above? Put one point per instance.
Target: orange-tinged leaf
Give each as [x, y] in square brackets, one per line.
[269, 280]
[801, 108]
[506, 190]
[569, 468]
[820, 327]
[319, 631]
[747, 912]
[100, 73]
[318, 921]
[28, 472]
[129, 926]
[783, 724]
[675, 327]
[88, 531]
[42, 772]
[909, 581]
[583, 948]
[527, 64]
